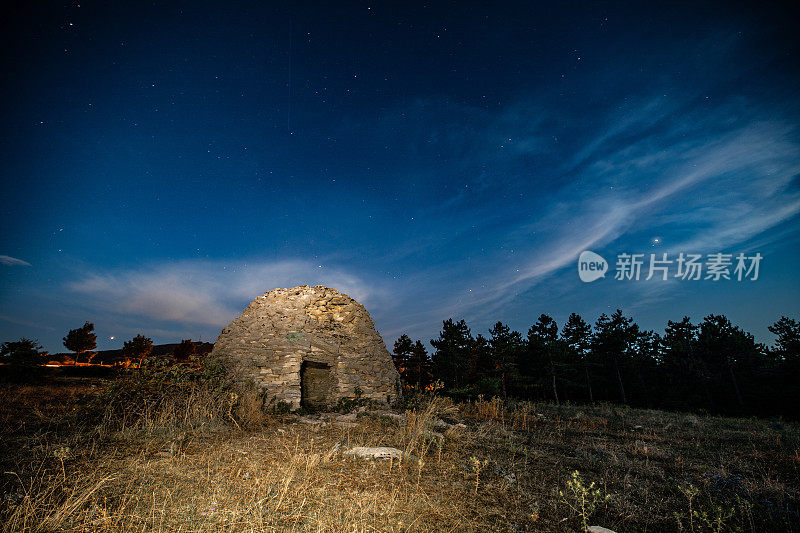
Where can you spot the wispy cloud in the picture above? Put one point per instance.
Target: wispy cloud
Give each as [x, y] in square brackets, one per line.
[710, 179]
[204, 292]
[7, 260]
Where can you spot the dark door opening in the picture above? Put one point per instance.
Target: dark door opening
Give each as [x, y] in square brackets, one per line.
[315, 385]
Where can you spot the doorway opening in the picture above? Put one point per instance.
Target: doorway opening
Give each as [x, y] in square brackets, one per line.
[315, 385]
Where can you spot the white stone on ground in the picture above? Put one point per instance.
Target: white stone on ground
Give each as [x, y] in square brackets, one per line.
[377, 452]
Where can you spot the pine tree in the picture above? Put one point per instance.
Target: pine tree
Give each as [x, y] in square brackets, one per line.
[450, 360]
[505, 345]
[419, 367]
[545, 346]
[401, 354]
[138, 347]
[481, 363]
[82, 341]
[787, 344]
[726, 350]
[786, 363]
[685, 374]
[577, 335]
[612, 342]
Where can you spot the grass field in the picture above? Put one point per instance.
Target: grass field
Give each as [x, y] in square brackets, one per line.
[77, 458]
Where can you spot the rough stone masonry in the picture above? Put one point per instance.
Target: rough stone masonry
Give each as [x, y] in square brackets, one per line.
[309, 346]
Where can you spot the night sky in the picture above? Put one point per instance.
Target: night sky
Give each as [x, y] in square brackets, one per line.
[164, 163]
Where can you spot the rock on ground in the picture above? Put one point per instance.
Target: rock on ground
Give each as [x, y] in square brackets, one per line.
[377, 452]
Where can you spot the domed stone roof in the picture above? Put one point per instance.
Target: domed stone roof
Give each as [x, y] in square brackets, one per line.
[309, 346]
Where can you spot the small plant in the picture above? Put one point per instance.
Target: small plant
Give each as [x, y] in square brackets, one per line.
[233, 399]
[64, 452]
[347, 405]
[581, 498]
[282, 407]
[477, 467]
[717, 519]
[690, 491]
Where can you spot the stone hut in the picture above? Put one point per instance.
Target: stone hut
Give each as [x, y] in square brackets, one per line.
[309, 346]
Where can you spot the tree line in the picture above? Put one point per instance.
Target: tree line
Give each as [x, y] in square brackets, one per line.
[713, 366]
[82, 342]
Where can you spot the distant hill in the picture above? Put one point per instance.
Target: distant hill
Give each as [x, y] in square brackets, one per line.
[109, 357]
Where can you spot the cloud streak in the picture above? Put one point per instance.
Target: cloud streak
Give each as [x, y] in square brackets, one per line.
[709, 180]
[7, 260]
[204, 292]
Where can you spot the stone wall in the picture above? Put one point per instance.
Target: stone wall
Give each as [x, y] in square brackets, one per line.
[279, 331]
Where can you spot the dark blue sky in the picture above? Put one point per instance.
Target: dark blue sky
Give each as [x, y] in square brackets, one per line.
[164, 164]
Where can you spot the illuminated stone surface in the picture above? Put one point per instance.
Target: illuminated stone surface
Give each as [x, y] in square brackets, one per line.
[313, 345]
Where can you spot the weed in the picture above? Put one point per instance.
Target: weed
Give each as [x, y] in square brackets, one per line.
[282, 407]
[717, 518]
[477, 467]
[582, 499]
[690, 492]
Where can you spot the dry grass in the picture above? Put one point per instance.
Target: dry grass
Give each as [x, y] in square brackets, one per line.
[201, 462]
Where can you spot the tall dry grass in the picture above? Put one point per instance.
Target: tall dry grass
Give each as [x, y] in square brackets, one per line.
[197, 455]
[281, 478]
[158, 398]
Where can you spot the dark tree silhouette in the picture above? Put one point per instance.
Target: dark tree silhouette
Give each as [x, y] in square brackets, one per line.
[481, 363]
[418, 372]
[686, 375]
[82, 341]
[505, 345]
[401, 354]
[786, 358]
[577, 335]
[787, 344]
[713, 366]
[544, 346]
[611, 343]
[450, 360]
[412, 362]
[726, 349]
[138, 347]
[643, 357]
[184, 350]
[23, 351]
